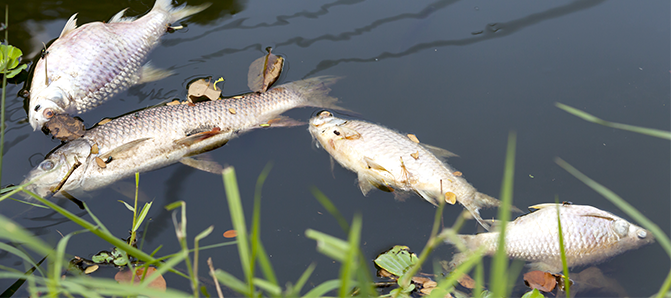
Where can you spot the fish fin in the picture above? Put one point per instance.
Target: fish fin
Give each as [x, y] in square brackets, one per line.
[178, 13]
[197, 137]
[439, 152]
[119, 18]
[69, 26]
[540, 266]
[127, 189]
[314, 92]
[149, 73]
[541, 206]
[427, 197]
[283, 121]
[203, 165]
[371, 164]
[366, 183]
[119, 152]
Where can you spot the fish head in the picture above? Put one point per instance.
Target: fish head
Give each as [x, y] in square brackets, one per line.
[631, 236]
[58, 166]
[45, 104]
[327, 129]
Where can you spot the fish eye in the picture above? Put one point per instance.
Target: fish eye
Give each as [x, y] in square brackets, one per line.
[48, 113]
[47, 165]
[641, 234]
[337, 133]
[325, 113]
[37, 108]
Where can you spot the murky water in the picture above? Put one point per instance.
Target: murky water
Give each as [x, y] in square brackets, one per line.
[458, 74]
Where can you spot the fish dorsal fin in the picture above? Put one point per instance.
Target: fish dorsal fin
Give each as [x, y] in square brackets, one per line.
[439, 152]
[373, 165]
[197, 137]
[203, 165]
[69, 26]
[541, 206]
[348, 133]
[119, 18]
[122, 151]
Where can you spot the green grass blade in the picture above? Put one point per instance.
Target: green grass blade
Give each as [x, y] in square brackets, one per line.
[4, 95]
[499, 280]
[562, 251]
[350, 264]
[328, 205]
[446, 285]
[238, 219]
[271, 288]
[296, 289]
[637, 129]
[660, 236]
[258, 251]
[231, 281]
[323, 288]
[9, 292]
[19, 253]
[330, 246]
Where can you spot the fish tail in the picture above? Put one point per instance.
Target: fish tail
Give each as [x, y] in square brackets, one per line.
[180, 12]
[314, 91]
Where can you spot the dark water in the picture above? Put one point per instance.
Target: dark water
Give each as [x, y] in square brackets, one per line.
[458, 74]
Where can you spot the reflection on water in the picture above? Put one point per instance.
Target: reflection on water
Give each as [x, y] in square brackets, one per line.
[462, 76]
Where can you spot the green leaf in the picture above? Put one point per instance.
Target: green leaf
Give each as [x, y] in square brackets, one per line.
[128, 206]
[331, 246]
[397, 261]
[533, 294]
[12, 73]
[143, 214]
[231, 281]
[323, 288]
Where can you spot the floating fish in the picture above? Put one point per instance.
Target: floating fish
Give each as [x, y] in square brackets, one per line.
[590, 236]
[393, 162]
[156, 137]
[86, 66]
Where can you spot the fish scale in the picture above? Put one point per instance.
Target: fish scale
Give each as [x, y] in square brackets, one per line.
[86, 66]
[156, 137]
[590, 236]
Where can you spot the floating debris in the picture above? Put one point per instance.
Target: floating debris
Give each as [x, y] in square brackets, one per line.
[264, 72]
[413, 138]
[65, 128]
[230, 234]
[202, 90]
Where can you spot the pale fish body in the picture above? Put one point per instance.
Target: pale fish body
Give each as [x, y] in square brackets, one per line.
[160, 136]
[390, 161]
[590, 236]
[86, 66]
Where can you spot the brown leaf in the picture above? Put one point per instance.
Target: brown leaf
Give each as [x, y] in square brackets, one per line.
[64, 127]
[543, 281]
[101, 163]
[230, 234]
[124, 277]
[231, 110]
[94, 149]
[457, 173]
[264, 72]
[467, 282]
[174, 102]
[102, 122]
[450, 197]
[202, 90]
[415, 155]
[385, 274]
[413, 138]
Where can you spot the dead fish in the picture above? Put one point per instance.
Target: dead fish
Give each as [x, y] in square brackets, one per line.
[87, 65]
[590, 236]
[156, 137]
[393, 162]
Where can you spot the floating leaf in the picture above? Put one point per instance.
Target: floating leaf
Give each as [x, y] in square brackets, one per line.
[397, 260]
[9, 62]
[533, 294]
[102, 257]
[64, 127]
[264, 72]
[543, 281]
[230, 234]
[467, 282]
[124, 277]
[202, 90]
[91, 269]
[413, 138]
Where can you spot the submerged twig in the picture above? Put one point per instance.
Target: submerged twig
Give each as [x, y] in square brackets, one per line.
[65, 179]
[216, 281]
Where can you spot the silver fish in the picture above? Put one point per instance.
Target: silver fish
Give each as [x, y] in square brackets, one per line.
[590, 236]
[86, 66]
[390, 161]
[160, 136]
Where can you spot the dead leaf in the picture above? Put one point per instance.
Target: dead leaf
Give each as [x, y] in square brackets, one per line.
[173, 103]
[124, 277]
[64, 127]
[467, 282]
[386, 274]
[202, 90]
[450, 197]
[101, 163]
[104, 121]
[457, 173]
[413, 138]
[230, 234]
[264, 72]
[420, 279]
[231, 110]
[543, 281]
[94, 149]
[91, 269]
[415, 155]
